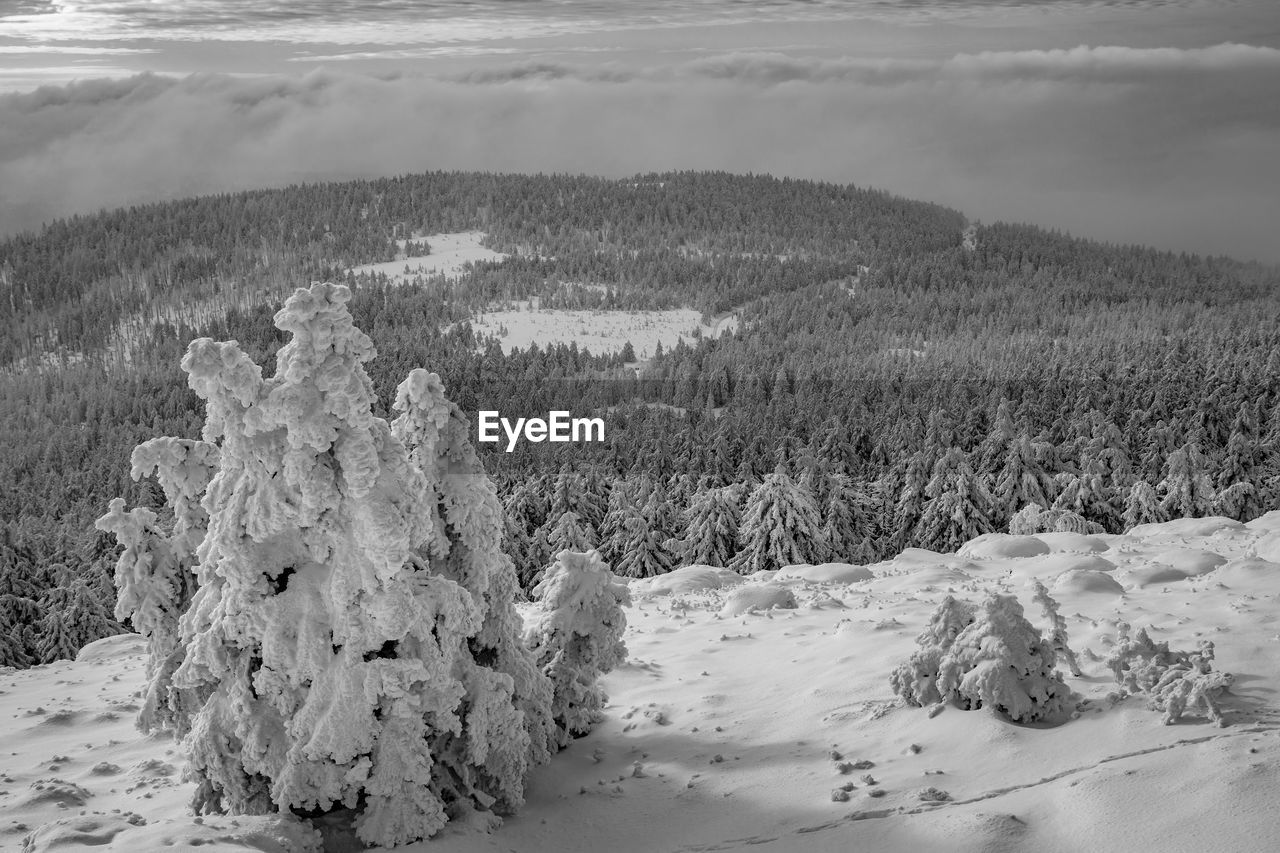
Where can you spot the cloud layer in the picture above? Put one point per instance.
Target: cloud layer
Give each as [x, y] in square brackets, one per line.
[1171, 147]
[400, 22]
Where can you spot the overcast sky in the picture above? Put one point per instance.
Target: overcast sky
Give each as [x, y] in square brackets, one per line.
[1153, 121]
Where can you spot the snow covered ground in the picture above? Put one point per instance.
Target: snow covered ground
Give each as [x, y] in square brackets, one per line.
[729, 732]
[599, 331]
[450, 253]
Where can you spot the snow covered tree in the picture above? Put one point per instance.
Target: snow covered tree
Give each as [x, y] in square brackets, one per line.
[1238, 494]
[644, 550]
[848, 519]
[1001, 662]
[575, 635]
[352, 641]
[1107, 468]
[916, 681]
[1239, 500]
[1003, 432]
[1185, 491]
[1173, 681]
[911, 499]
[781, 526]
[571, 533]
[958, 508]
[73, 617]
[20, 612]
[1027, 521]
[1085, 496]
[617, 518]
[1057, 626]
[15, 643]
[711, 528]
[155, 575]
[1142, 506]
[1021, 480]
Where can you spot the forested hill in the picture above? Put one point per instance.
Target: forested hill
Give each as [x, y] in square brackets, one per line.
[710, 241]
[892, 382]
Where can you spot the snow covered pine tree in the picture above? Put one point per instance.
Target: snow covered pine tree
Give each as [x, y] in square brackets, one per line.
[575, 633]
[352, 640]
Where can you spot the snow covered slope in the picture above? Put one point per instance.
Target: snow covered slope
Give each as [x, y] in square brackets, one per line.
[450, 254]
[727, 733]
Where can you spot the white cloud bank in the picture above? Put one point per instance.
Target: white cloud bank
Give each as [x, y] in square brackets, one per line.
[1166, 146]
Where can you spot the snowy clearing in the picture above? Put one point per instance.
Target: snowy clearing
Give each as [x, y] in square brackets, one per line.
[599, 331]
[744, 732]
[450, 254]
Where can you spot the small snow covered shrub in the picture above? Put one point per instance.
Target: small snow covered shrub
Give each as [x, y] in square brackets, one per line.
[1058, 630]
[1172, 680]
[916, 680]
[352, 640]
[1001, 662]
[575, 635]
[988, 656]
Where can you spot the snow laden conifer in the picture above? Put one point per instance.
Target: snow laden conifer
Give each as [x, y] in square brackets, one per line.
[644, 535]
[988, 656]
[781, 526]
[1000, 662]
[1141, 506]
[155, 575]
[571, 533]
[352, 640]
[958, 506]
[575, 635]
[916, 681]
[70, 616]
[1058, 626]
[644, 549]
[1186, 491]
[1021, 480]
[1027, 521]
[711, 528]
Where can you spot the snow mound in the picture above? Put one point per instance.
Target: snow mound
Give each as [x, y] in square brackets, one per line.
[997, 545]
[56, 791]
[216, 834]
[825, 573]
[110, 648]
[1156, 574]
[1246, 569]
[765, 596]
[686, 580]
[1056, 564]
[912, 556]
[1268, 522]
[1268, 547]
[1087, 581]
[935, 575]
[1190, 560]
[1187, 527]
[1077, 542]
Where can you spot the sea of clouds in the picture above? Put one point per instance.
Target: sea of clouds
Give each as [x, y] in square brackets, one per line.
[1168, 146]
